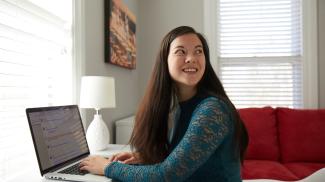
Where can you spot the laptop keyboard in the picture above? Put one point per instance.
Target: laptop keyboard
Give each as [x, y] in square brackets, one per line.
[74, 170]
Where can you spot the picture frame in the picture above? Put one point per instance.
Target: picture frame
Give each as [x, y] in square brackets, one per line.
[120, 31]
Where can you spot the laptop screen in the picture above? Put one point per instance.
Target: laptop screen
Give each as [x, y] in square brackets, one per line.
[57, 133]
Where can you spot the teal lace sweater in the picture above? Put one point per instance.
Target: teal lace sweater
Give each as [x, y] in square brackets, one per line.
[203, 153]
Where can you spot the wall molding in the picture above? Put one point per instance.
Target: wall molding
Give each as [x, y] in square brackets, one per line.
[310, 54]
[210, 30]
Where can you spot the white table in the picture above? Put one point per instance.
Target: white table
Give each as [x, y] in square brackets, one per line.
[33, 174]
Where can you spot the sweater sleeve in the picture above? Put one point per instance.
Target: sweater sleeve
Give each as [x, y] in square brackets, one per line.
[209, 125]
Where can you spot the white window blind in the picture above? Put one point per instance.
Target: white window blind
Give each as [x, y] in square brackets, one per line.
[260, 52]
[35, 70]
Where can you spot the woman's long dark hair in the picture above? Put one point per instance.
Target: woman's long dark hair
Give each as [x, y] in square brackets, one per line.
[149, 136]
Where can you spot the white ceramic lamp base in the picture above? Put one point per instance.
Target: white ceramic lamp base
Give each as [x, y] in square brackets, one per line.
[97, 134]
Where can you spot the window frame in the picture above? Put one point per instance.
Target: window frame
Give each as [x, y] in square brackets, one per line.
[309, 44]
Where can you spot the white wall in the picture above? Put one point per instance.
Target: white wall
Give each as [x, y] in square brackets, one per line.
[156, 18]
[126, 81]
[321, 52]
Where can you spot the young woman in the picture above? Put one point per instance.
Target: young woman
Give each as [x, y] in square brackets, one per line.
[186, 128]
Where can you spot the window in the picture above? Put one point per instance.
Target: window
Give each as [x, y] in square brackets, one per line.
[35, 70]
[229, 24]
[260, 52]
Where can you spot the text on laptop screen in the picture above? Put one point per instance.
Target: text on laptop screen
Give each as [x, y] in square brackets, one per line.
[58, 135]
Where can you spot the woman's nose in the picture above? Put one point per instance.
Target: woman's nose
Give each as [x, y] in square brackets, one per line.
[190, 59]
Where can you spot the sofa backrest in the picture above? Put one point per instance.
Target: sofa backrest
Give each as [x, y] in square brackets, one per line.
[262, 130]
[301, 135]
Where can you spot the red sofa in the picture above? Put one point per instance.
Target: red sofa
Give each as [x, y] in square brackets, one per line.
[285, 144]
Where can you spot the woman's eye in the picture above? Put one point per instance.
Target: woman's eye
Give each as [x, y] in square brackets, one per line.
[180, 52]
[199, 51]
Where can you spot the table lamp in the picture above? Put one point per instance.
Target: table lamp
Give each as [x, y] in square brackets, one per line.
[97, 92]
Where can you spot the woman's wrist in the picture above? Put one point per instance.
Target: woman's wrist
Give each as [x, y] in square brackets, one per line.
[106, 168]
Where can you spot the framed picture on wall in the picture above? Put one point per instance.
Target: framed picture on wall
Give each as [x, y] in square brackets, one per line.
[120, 28]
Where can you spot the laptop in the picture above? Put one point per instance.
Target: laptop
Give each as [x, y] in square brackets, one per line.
[60, 143]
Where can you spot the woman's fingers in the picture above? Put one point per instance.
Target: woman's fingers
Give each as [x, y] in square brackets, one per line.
[84, 162]
[124, 156]
[84, 168]
[131, 160]
[114, 157]
[94, 164]
[120, 156]
[111, 159]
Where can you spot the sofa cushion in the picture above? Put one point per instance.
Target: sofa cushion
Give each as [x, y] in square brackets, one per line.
[261, 169]
[302, 169]
[262, 131]
[301, 135]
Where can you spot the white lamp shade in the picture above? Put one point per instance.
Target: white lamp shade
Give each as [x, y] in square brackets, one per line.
[97, 92]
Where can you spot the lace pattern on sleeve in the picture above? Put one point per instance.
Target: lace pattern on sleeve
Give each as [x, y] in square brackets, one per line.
[209, 125]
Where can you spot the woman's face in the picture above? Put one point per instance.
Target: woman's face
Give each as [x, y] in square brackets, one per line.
[186, 60]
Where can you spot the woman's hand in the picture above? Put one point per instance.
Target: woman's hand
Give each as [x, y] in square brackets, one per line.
[94, 164]
[126, 158]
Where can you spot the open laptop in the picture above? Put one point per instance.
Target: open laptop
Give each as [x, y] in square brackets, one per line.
[60, 143]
